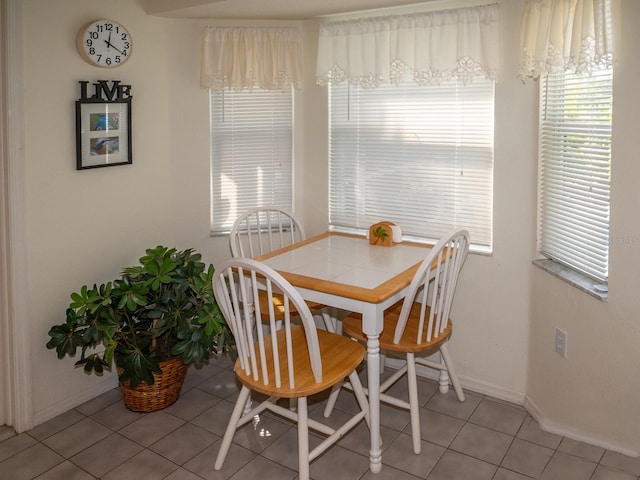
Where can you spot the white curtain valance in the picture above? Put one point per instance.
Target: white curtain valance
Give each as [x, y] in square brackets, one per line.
[425, 47]
[567, 35]
[240, 58]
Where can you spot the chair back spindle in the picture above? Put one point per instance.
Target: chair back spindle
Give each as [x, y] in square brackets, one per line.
[269, 357]
[432, 288]
[262, 230]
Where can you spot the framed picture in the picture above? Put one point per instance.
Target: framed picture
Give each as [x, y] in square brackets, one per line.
[103, 133]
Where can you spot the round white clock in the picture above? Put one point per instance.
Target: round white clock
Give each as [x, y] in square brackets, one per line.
[104, 43]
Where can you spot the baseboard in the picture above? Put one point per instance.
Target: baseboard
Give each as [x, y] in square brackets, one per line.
[565, 431]
[108, 383]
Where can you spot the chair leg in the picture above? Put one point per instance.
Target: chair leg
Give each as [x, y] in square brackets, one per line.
[333, 398]
[414, 406]
[444, 351]
[303, 440]
[330, 322]
[443, 381]
[361, 397]
[241, 402]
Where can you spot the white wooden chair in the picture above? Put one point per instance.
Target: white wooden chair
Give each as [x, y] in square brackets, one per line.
[294, 361]
[419, 326]
[262, 230]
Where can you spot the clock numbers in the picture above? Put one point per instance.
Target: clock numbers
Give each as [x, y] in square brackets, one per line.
[104, 43]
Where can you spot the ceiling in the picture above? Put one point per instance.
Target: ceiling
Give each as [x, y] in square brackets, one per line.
[262, 9]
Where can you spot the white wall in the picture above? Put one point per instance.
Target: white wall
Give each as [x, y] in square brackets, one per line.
[595, 392]
[83, 226]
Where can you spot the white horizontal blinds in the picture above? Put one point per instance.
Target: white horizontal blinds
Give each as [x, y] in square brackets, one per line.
[251, 153]
[420, 156]
[575, 169]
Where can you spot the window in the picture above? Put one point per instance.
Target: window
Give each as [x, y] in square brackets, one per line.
[420, 156]
[251, 153]
[575, 169]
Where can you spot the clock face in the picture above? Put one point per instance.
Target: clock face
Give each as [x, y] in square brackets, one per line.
[104, 43]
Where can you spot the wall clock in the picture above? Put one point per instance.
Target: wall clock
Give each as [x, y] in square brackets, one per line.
[104, 43]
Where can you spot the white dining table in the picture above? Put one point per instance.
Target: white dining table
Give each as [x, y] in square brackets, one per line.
[345, 271]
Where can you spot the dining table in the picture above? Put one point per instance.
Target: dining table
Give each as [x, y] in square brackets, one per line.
[347, 272]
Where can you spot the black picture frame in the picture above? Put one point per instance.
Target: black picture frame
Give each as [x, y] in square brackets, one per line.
[103, 133]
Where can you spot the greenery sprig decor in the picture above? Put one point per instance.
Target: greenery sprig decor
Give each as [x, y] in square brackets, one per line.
[162, 308]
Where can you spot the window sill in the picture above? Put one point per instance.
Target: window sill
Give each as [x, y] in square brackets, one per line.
[578, 280]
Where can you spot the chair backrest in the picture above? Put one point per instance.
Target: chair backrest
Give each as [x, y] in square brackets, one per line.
[266, 356]
[433, 287]
[262, 230]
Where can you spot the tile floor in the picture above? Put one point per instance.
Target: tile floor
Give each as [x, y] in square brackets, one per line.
[479, 439]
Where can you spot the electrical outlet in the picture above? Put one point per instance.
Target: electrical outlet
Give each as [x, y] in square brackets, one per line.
[561, 343]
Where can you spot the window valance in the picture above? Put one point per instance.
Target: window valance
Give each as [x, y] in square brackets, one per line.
[567, 35]
[425, 47]
[242, 58]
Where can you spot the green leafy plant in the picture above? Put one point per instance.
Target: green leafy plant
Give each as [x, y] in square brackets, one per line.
[162, 308]
[380, 233]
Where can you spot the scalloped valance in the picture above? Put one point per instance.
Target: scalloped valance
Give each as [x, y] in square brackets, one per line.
[425, 47]
[241, 58]
[567, 35]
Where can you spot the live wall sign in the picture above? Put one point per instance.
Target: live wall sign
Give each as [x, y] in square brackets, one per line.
[103, 124]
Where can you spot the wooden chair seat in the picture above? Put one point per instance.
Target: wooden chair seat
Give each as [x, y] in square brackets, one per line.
[340, 357]
[352, 326]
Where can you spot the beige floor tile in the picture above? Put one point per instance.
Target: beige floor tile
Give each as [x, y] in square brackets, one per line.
[77, 437]
[527, 458]
[146, 465]
[263, 468]
[399, 455]
[192, 403]
[203, 463]
[504, 474]
[16, 444]
[152, 427]
[101, 401]
[95, 460]
[581, 449]
[389, 473]
[498, 416]
[29, 463]
[531, 431]
[65, 471]
[568, 467]
[215, 418]
[46, 429]
[450, 405]
[116, 416]
[437, 428]
[456, 466]
[606, 473]
[621, 462]
[338, 463]
[184, 443]
[482, 443]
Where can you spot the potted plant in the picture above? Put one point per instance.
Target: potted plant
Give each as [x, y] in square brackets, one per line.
[156, 319]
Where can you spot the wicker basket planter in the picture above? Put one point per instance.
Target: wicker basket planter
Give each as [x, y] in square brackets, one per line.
[164, 391]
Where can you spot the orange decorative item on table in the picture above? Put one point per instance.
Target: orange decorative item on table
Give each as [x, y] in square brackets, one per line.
[381, 234]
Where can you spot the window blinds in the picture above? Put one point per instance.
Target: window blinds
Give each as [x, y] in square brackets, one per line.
[575, 169]
[420, 156]
[251, 153]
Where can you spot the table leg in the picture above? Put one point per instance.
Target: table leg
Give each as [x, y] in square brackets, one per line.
[373, 373]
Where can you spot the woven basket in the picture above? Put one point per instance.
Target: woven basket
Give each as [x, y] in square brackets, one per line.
[164, 391]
